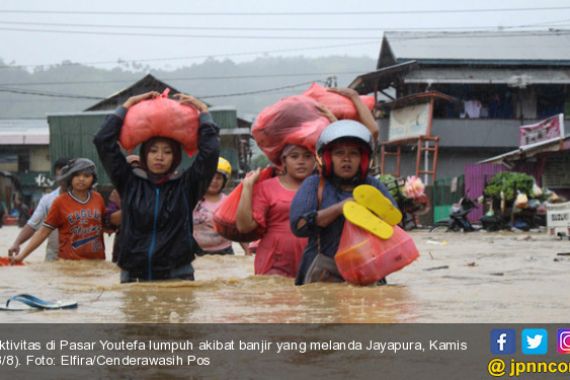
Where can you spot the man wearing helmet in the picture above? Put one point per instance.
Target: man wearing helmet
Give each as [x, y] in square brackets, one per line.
[77, 215]
[344, 148]
[206, 236]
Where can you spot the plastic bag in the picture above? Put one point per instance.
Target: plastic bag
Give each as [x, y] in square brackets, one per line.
[521, 200]
[5, 262]
[363, 259]
[339, 105]
[161, 117]
[293, 120]
[536, 190]
[226, 215]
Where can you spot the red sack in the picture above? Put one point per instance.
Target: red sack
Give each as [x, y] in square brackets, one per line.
[226, 215]
[339, 105]
[292, 120]
[363, 258]
[5, 262]
[161, 117]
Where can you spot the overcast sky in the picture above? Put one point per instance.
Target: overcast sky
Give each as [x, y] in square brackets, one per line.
[33, 33]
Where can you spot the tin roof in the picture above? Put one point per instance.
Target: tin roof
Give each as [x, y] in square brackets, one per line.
[24, 132]
[553, 145]
[498, 48]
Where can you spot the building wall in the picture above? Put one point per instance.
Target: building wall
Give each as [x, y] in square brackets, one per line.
[471, 133]
[9, 167]
[451, 162]
[528, 104]
[462, 141]
[39, 158]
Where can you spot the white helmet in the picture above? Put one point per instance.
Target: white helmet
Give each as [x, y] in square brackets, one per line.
[344, 129]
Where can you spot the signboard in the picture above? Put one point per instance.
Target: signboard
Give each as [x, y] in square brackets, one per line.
[548, 129]
[410, 121]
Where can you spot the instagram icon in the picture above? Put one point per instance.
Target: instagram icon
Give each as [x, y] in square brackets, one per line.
[563, 346]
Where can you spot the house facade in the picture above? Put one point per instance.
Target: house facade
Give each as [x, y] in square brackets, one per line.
[500, 80]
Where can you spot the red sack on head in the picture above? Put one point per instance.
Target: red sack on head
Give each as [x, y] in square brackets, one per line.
[363, 258]
[161, 117]
[292, 120]
[226, 215]
[339, 105]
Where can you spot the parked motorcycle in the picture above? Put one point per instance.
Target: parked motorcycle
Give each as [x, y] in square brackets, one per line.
[457, 218]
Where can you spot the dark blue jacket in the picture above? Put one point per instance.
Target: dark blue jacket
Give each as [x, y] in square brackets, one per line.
[305, 206]
[156, 220]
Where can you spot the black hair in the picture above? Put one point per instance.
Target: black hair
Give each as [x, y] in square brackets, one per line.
[60, 163]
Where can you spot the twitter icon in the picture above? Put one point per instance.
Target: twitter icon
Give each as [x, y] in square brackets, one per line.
[534, 341]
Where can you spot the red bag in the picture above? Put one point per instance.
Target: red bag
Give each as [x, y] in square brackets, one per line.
[292, 120]
[363, 258]
[339, 105]
[5, 262]
[226, 215]
[161, 117]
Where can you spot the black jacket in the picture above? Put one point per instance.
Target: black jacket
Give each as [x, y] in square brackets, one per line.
[156, 224]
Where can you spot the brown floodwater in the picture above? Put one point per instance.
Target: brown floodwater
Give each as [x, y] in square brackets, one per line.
[476, 277]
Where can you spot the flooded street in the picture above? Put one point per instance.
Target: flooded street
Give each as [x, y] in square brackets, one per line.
[477, 277]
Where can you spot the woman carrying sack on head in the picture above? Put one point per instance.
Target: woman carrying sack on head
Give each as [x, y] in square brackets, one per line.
[345, 149]
[156, 240]
[77, 215]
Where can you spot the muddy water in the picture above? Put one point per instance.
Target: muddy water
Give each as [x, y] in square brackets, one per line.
[478, 277]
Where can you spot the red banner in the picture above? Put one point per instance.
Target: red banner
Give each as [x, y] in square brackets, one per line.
[547, 129]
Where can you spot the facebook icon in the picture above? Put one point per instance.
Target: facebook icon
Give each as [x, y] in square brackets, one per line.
[503, 341]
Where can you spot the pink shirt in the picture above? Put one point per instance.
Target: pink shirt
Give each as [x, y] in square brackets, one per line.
[206, 237]
[279, 251]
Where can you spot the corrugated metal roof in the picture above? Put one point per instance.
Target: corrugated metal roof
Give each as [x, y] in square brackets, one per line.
[380, 79]
[507, 47]
[512, 77]
[24, 132]
[554, 145]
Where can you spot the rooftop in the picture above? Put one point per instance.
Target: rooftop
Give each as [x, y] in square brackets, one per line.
[546, 47]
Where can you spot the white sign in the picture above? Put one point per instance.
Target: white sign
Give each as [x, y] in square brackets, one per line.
[411, 121]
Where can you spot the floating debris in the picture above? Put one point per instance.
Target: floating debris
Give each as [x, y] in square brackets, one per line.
[437, 268]
[436, 242]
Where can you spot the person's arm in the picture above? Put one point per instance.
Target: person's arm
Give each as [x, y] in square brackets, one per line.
[330, 214]
[105, 141]
[115, 218]
[26, 233]
[36, 240]
[204, 166]
[245, 247]
[34, 223]
[244, 218]
[364, 113]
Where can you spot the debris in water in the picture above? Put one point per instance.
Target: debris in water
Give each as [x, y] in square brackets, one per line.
[472, 264]
[497, 274]
[563, 254]
[436, 242]
[437, 268]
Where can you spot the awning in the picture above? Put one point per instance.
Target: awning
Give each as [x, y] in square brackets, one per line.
[526, 151]
[512, 77]
[380, 79]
